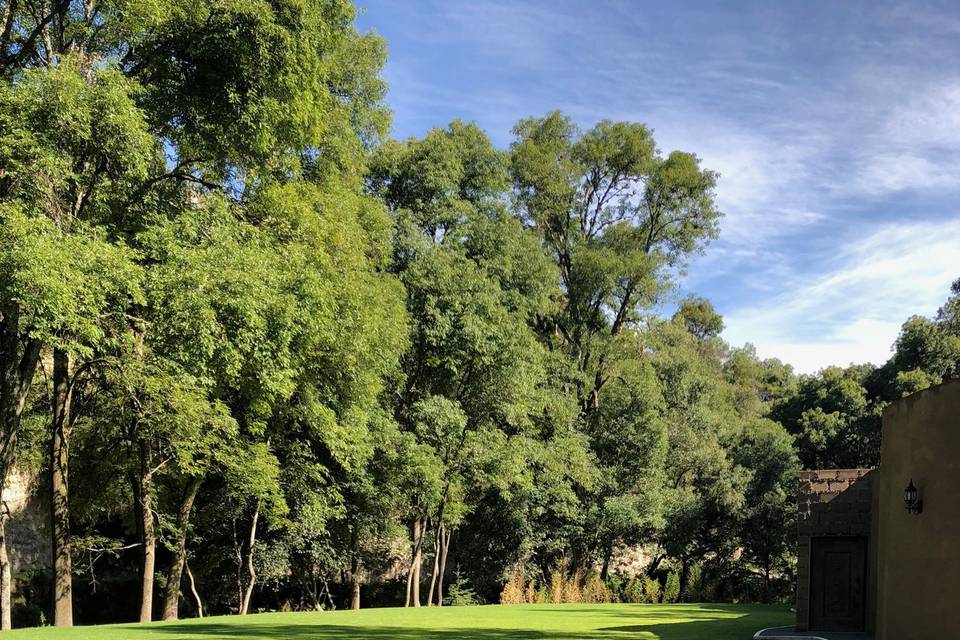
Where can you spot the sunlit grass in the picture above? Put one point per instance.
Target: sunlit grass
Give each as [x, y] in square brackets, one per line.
[548, 622]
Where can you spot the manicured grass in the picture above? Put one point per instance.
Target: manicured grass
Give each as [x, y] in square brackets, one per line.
[540, 622]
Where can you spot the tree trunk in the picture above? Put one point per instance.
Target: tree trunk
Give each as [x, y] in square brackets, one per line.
[408, 600]
[193, 590]
[413, 575]
[5, 577]
[605, 570]
[436, 564]
[238, 550]
[444, 548]
[251, 571]
[354, 570]
[654, 565]
[16, 376]
[417, 567]
[767, 592]
[59, 505]
[149, 536]
[171, 598]
[354, 581]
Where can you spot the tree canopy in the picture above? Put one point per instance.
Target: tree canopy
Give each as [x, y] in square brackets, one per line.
[256, 355]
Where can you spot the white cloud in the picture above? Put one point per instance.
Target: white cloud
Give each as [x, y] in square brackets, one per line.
[915, 144]
[763, 180]
[852, 311]
[929, 118]
[862, 341]
[888, 172]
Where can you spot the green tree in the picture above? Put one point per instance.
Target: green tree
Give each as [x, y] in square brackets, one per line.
[928, 346]
[474, 279]
[834, 419]
[948, 316]
[767, 522]
[699, 317]
[616, 217]
[94, 93]
[75, 144]
[671, 589]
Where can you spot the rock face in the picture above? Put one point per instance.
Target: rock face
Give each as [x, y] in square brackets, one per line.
[28, 540]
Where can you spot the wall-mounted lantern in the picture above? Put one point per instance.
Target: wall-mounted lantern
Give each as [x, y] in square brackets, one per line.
[911, 499]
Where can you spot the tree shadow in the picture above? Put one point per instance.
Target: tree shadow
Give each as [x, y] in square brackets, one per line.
[710, 622]
[700, 627]
[341, 632]
[715, 629]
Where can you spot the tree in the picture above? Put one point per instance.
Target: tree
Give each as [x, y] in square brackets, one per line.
[948, 316]
[616, 217]
[94, 92]
[768, 520]
[928, 346]
[835, 421]
[699, 317]
[76, 142]
[474, 279]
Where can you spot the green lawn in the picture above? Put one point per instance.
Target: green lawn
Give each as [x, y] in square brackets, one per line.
[548, 622]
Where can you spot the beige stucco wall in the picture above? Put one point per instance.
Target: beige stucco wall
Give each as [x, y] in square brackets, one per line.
[918, 590]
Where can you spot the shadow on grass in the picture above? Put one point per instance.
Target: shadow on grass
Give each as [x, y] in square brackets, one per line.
[705, 612]
[739, 629]
[340, 632]
[695, 624]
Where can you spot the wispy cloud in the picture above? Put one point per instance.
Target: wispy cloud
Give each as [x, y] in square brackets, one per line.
[853, 311]
[914, 144]
[761, 186]
[929, 119]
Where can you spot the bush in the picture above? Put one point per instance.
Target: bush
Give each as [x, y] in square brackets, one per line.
[564, 588]
[513, 592]
[556, 586]
[633, 593]
[671, 590]
[693, 589]
[615, 588]
[571, 589]
[651, 589]
[543, 595]
[595, 590]
[531, 596]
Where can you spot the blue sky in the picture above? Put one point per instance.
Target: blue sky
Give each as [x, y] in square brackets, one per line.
[835, 127]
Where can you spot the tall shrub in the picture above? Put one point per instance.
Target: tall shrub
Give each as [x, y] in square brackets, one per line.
[513, 591]
[634, 592]
[595, 590]
[671, 590]
[651, 589]
[693, 589]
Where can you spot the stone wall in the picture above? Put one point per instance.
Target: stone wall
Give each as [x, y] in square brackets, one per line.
[28, 539]
[831, 502]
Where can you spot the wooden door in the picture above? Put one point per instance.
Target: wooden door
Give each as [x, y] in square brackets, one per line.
[838, 578]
